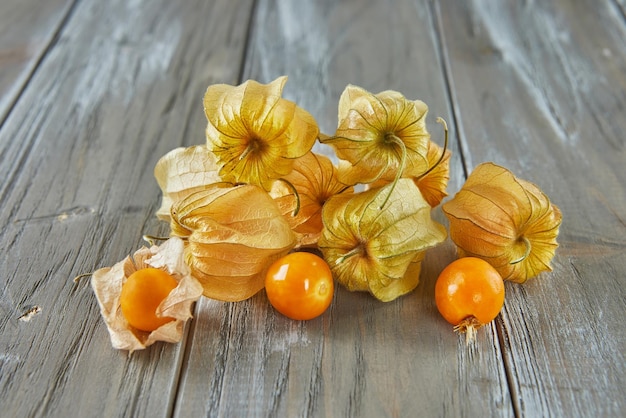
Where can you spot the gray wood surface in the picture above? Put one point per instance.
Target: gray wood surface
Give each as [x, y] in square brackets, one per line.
[109, 87]
[29, 29]
[546, 98]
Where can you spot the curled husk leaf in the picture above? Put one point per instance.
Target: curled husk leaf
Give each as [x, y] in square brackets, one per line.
[182, 172]
[254, 133]
[234, 233]
[506, 221]
[376, 249]
[314, 179]
[107, 285]
[379, 136]
[434, 183]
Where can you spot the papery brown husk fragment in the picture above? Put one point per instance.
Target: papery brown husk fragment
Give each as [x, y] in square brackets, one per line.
[107, 285]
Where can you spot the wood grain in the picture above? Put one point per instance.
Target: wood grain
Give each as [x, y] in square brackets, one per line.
[540, 89]
[122, 86]
[93, 93]
[29, 28]
[363, 357]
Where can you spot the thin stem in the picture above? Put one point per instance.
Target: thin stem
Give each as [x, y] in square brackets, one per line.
[151, 239]
[526, 253]
[356, 250]
[81, 276]
[397, 141]
[296, 195]
[253, 146]
[445, 147]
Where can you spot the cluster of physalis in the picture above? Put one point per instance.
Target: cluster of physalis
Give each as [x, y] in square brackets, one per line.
[255, 193]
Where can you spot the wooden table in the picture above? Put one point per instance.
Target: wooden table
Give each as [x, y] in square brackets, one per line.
[93, 93]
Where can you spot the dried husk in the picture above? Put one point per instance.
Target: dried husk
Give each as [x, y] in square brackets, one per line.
[379, 136]
[182, 172]
[314, 179]
[506, 221]
[254, 133]
[234, 233]
[434, 183]
[107, 285]
[376, 249]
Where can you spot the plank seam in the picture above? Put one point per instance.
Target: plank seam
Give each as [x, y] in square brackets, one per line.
[246, 46]
[620, 10]
[181, 365]
[509, 365]
[448, 82]
[186, 350]
[39, 61]
[444, 63]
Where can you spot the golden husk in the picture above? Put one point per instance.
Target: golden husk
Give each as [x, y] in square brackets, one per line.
[506, 221]
[254, 133]
[433, 185]
[233, 235]
[376, 132]
[314, 179]
[182, 172]
[378, 248]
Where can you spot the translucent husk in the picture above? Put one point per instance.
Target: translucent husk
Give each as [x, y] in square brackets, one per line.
[107, 285]
[433, 181]
[380, 136]
[506, 221]
[376, 249]
[302, 193]
[254, 133]
[233, 233]
[182, 172]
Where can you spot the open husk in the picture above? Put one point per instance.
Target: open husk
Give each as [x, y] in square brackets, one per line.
[107, 285]
[379, 136]
[254, 133]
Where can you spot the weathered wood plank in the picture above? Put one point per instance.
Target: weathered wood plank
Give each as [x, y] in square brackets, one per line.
[363, 357]
[540, 88]
[122, 86]
[28, 29]
[536, 87]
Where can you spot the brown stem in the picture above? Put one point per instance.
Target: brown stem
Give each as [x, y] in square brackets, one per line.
[445, 147]
[526, 253]
[150, 239]
[296, 195]
[81, 276]
[397, 141]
